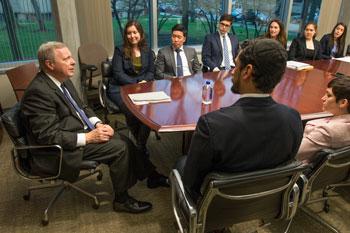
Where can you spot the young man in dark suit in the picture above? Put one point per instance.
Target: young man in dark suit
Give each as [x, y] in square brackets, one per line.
[252, 134]
[220, 48]
[54, 114]
[177, 60]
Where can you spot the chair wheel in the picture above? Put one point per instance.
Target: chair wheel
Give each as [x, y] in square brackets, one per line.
[96, 205]
[44, 222]
[99, 176]
[26, 197]
[326, 207]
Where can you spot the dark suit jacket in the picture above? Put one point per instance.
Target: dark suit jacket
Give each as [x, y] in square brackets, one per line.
[297, 50]
[124, 71]
[212, 50]
[50, 119]
[327, 47]
[165, 63]
[252, 134]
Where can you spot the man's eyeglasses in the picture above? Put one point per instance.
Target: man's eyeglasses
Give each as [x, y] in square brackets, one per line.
[225, 25]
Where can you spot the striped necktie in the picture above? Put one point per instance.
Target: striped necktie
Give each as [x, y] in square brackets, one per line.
[179, 70]
[226, 56]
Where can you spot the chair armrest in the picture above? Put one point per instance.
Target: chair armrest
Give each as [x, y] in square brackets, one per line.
[293, 201]
[303, 183]
[181, 201]
[16, 158]
[88, 67]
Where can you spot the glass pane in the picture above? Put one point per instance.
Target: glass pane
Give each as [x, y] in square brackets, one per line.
[125, 10]
[303, 11]
[252, 16]
[25, 25]
[200, 17]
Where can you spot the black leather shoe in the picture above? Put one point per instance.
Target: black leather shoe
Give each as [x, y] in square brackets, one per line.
[132, 205]
[157, 181]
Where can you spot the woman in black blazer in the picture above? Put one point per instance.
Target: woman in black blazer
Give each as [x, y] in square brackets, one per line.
[333, 44]
[132, 63]
[275, 30]
[306, 47]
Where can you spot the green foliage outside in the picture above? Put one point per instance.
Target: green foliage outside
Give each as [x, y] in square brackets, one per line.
[29, 37]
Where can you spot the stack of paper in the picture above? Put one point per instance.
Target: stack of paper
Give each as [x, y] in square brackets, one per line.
[295, 65]
[149, 97]
[346, 59]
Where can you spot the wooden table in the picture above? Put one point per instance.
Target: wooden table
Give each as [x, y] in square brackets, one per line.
[301, 90]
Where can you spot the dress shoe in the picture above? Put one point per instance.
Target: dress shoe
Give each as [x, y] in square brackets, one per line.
[157, 181]
[132, 205]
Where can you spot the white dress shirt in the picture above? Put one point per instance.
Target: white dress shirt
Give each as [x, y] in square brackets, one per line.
[229, 48]
[185, 68]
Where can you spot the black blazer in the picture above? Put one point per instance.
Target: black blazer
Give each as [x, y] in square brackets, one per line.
[124, 71]
[297, 50]
[327, 47]
[50, 119]
[212, 49]
[252, 134]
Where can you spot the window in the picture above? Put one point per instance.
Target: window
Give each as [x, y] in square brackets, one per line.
[26, 24]
[302, 13]
[252, 17]
[125, 10]
[199, 16]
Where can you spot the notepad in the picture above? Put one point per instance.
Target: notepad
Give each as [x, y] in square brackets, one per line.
[346, 59]
[295, 65]
[149, 97]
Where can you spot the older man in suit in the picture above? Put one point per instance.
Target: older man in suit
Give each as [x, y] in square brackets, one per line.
[53, 114]
[220, 48]
[177, 60]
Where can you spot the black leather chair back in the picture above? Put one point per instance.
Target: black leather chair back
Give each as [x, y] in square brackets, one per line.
[13, 125]
[107, 74]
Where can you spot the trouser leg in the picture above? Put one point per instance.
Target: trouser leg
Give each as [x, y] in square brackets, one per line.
[116, 154]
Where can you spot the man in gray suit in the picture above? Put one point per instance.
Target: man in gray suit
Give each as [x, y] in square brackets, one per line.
[177, 60]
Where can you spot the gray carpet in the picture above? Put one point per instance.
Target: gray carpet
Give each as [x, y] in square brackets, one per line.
[73, 212]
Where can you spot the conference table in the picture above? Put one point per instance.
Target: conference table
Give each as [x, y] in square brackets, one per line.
[301, 90]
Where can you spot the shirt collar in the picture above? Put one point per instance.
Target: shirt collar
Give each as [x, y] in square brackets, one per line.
[181, 48]
[55, 81]
[222, 35]
[254, 95]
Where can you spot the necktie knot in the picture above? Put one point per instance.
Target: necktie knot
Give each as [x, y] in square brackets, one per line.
[178, 50]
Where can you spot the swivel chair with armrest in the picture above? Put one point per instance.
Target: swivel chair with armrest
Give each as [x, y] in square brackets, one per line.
[90, 57]
[233, 198]
[21, 155]
[330, 170]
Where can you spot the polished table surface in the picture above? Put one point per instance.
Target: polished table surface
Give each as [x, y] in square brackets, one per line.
[301, 90]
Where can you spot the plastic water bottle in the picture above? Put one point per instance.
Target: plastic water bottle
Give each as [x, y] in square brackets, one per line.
[207, 93]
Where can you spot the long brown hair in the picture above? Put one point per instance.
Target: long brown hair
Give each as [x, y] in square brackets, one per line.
[281, 37]
[127, 48]
[340, 40]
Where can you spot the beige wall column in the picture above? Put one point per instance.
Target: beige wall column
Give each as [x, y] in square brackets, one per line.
[95, 23]
[344, 16]
[328, 16]
[65, 15]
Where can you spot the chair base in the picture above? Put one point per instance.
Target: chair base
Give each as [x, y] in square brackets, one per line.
[317, 218]
[64, 185]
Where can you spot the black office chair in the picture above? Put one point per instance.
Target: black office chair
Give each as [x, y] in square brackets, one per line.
[330, 170]
[21, 155]
[233, 198]
[348, 51]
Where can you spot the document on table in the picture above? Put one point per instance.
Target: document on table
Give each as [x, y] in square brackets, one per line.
[295, 65]
[346, 59]
[149, 97]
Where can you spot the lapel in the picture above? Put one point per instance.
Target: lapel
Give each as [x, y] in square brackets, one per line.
[189, 63]
[144, 60]
[218, 41]
[172, 58]
[60, 94]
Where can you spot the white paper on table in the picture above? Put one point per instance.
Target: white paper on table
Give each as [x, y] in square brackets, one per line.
[296, 65]
[346, 59]
[149, 97]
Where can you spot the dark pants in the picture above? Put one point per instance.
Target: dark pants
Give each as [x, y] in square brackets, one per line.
[139, 130]
[125, 165]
